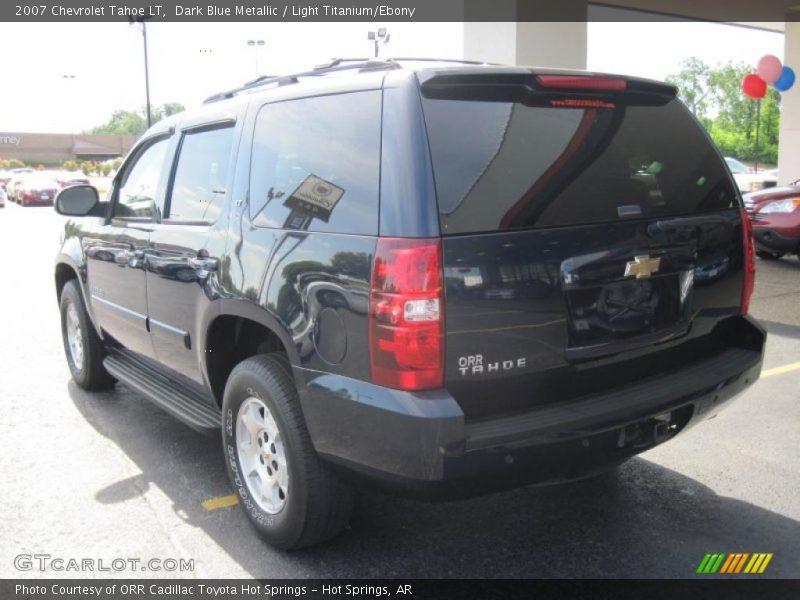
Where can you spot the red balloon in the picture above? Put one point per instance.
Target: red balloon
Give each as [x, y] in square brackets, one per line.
[754, 87]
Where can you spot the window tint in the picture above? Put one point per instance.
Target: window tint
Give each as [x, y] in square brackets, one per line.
[503, 165]
[315, 164]
[198, 190]
[137, 194]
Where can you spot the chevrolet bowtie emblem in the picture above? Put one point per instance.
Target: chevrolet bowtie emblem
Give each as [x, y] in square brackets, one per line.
[642, 266]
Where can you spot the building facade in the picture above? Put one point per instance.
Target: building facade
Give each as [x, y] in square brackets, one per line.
[53, 148]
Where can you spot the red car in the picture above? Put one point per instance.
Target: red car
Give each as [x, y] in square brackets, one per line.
[68, 178]
[36, 189]
[775, 215]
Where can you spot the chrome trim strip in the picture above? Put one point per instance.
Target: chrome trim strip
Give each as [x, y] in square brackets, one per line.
[128, 311]
[163, 325]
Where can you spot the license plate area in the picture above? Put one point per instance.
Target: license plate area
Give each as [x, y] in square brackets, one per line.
[623, 311]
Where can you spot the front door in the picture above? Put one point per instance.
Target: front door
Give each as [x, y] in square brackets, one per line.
[116, 252]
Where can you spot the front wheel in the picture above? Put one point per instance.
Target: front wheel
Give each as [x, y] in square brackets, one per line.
[291, 497]
[82, 345]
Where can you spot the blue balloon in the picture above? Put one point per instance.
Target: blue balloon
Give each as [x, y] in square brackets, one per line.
[786, 80]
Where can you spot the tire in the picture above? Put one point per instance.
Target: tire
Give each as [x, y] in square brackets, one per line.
[768, 255]
[307, 503]
[77, 331]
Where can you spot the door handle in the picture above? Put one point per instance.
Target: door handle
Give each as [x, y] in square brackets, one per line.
[204, 263]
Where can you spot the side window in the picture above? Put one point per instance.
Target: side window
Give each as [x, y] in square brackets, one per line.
[316, 162]
[198, 189]
[137, 192]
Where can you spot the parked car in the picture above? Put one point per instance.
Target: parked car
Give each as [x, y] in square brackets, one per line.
[319, 214]
[2, 198]
[13, 184]
[775, 215]
[748, 180]
[67, 178]
[36, 188]
[7, 176]
[12, 178]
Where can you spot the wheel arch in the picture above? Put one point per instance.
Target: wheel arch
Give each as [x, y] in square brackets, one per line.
[66, 270]
[236, 330]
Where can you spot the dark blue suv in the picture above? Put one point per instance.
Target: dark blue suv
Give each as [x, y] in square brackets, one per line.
[444, 278]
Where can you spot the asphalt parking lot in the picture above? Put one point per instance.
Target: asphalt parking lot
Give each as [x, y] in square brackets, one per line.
[109, 475]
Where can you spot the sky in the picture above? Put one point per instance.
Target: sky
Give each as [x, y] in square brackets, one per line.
[93, 69]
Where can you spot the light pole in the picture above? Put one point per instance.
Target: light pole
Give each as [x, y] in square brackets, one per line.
[141, 21]
[379, 38]
[256, 44]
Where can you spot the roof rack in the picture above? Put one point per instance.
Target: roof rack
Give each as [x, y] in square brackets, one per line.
[332, 66]
[460, 61]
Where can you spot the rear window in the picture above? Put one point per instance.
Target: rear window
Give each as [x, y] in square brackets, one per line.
[505, 165]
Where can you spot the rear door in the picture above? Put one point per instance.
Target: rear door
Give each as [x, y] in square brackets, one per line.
[185, 247]
[591, 235]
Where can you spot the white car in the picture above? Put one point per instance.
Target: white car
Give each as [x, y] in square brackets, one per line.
[9, 179]
[2, 197]
[748, 181]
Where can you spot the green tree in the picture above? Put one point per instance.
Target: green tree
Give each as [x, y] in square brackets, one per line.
[716, 98]
[692, 84]
[171, 108]
[135, 122]
[123, 122]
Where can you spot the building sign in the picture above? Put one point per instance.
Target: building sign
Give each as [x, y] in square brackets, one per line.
[315, 198]
[10, 140]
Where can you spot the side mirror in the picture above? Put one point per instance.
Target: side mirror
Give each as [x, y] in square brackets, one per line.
[77, 200]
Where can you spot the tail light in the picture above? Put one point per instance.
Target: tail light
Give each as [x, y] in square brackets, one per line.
[749, 275]
[406, 314]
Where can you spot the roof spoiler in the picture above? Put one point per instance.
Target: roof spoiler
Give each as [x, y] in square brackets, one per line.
[531, 87]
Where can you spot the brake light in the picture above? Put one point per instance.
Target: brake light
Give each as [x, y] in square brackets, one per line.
[580, 103]
[749, 271]
[406, 314]
[581, 82]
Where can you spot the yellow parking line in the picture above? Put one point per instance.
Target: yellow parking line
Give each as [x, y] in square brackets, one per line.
[220, 502]
[781, 370]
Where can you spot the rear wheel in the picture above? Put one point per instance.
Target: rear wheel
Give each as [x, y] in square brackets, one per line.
[83, 347]
[291, 497]
[768, 255]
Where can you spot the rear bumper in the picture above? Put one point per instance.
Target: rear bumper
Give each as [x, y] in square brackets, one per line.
[35, 202]
[772, 241]
[420, 443]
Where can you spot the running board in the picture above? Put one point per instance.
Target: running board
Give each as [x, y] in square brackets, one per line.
[165, 393]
